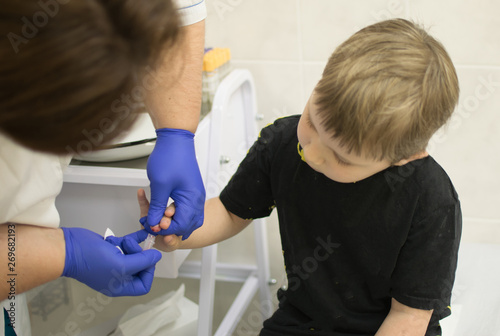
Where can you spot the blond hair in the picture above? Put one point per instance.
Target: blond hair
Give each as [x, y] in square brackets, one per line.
[386, 90]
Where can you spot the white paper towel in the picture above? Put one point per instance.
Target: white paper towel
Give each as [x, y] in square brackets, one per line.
[146, 319]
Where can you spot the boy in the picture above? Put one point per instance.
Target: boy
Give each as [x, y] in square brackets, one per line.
[370, 223]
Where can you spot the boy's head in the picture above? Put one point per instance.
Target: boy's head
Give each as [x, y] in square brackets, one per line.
[385, 91]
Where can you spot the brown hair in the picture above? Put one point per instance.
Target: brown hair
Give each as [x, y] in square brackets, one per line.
[68, 68]
[386, 90]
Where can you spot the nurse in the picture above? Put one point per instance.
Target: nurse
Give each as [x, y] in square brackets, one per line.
[72, 76]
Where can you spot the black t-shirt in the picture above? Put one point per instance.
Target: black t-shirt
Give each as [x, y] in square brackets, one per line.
[350, 247]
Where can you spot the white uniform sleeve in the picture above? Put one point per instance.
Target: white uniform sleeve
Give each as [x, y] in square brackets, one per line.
[191, 11]
[30, 183]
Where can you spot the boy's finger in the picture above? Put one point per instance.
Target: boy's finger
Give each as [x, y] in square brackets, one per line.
[165, 223]
[171, 241]
[170, 210]
[143, 202]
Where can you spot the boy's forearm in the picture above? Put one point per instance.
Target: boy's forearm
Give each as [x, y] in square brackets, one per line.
[31, 256]
[405, 321]
[398, 325]
[219, 225]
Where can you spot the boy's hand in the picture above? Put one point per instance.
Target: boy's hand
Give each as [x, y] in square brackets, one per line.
[166, 243]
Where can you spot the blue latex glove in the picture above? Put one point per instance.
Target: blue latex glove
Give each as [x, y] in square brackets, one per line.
[100, 265]
[173, 172]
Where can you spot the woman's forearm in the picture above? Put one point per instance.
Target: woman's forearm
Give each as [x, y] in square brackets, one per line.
[175, 100]
[31, 256]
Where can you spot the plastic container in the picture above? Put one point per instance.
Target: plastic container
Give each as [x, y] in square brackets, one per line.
[216, 66]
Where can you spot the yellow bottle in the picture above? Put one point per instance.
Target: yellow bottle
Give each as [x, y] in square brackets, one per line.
[216, 66]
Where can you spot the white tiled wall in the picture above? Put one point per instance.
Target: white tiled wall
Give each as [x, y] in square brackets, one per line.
[285, 44]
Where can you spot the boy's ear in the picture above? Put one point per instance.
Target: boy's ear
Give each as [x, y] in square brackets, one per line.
[411, 158]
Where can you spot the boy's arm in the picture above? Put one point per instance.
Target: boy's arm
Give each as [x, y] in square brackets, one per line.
[404, 320]
[219, 224]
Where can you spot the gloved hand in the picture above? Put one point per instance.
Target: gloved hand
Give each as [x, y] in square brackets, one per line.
[173, 171]
[129, 244]
[100, 265]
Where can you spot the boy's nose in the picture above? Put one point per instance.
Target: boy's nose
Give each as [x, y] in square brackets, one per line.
[312, 154]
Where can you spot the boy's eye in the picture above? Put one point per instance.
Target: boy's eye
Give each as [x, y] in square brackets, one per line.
[341, 162]
[309, 122]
